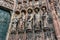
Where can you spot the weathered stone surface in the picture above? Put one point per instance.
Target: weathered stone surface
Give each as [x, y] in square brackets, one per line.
[6, 4]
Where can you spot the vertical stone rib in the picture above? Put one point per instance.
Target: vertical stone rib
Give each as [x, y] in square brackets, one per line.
[55, 20]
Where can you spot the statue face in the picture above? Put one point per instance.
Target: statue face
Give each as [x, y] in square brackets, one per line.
[43, 8]
[30, 11]
[17, 12]
[36, 9]
[23, 12]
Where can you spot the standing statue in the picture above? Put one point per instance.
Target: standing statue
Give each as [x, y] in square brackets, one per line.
[37, 17]
[29, 19]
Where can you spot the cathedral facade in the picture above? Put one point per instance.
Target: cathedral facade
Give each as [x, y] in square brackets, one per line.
[29, 19]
